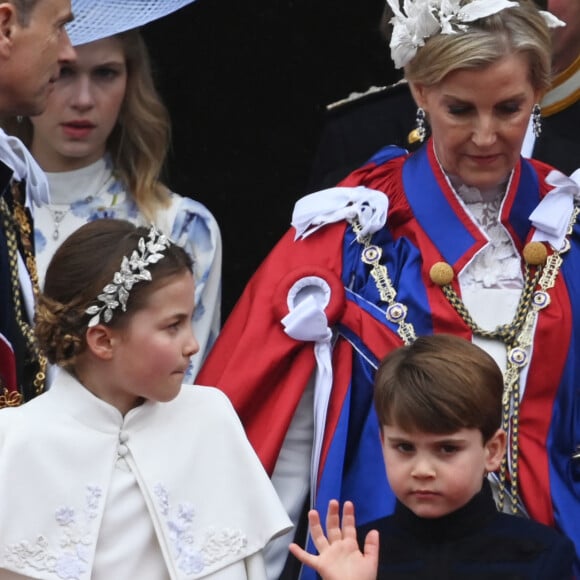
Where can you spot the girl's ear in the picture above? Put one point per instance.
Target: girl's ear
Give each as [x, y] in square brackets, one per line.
[7, 19]
[495, 450]
[100, 341]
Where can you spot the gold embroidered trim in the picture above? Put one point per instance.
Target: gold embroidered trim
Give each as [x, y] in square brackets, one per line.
[567, 73]
[10, 399]
[561, 105]
[556, 100]
[13, 223]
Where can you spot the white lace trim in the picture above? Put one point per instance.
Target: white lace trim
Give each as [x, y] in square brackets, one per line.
[498, 264]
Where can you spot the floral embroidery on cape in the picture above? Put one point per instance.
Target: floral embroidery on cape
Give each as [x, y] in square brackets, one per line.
[71, 561]
[195, 549]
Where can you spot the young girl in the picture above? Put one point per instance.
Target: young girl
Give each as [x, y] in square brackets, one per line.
[102, 141]
[117, 471]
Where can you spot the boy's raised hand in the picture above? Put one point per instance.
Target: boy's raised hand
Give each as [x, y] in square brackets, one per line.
[339, 555]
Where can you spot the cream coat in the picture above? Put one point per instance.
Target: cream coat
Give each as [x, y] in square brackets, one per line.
[207, 501]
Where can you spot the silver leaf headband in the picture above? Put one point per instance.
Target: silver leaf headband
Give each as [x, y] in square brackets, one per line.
[421, 19]
[133, 270]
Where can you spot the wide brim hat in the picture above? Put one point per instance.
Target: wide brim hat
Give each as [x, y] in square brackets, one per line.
[96, 19]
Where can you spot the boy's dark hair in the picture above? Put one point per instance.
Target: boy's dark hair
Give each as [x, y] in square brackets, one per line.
[439, 384]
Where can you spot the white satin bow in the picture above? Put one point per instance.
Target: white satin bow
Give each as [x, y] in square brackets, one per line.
[307, 321]
[328, 206]
[552, 215]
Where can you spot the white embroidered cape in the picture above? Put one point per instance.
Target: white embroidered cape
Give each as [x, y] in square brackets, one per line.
[206, 498]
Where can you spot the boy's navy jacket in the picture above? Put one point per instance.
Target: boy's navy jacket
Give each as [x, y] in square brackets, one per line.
[475, 542]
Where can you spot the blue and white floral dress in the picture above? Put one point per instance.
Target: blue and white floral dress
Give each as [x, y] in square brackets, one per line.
[93, 192]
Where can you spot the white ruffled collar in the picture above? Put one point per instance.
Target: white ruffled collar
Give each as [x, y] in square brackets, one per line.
[552, 215]
[471, 194]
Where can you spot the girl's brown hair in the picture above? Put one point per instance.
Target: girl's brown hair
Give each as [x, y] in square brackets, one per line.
[79, 270]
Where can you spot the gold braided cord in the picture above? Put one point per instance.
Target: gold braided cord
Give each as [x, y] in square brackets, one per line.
[26, 233]
[507, 333]
[25, 227]
[11, 225]
[517, 337]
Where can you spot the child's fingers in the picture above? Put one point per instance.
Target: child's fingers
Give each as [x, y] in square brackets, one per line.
[348, 520]
[316, 531]
[371, 547]
[333, 521]
[302, 555]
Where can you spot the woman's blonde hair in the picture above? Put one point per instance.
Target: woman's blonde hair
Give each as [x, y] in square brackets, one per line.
[140, 140]
[517, 30]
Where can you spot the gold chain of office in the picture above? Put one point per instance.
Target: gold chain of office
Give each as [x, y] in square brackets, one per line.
[16, 224]
[540, 270]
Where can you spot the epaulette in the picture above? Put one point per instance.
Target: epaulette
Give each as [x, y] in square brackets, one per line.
[370, 94]
[564, 92]
[399, 90]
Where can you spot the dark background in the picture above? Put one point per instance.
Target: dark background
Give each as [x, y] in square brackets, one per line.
[247, 82]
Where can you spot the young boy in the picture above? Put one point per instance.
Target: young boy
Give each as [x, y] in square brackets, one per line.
[439, 404]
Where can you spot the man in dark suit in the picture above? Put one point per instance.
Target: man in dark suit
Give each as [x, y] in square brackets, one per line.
[358, 127]
[33, 42]
[559, 144]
